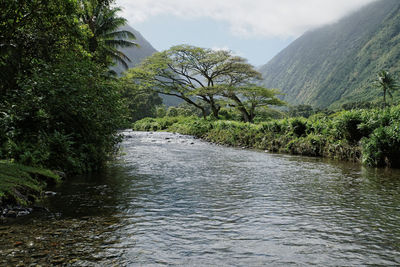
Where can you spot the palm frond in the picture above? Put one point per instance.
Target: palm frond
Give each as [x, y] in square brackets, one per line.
[119, 43]
[105, 25]
[120, 35]
[119, 57]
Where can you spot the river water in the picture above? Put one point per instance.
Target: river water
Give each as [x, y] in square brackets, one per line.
[175, 200]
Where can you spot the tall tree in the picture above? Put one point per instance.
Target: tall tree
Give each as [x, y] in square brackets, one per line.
[190, 72]
[106, 36]
[387, 83]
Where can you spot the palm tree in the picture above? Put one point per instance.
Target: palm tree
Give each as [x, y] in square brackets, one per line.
[107, 37]
[387, 83]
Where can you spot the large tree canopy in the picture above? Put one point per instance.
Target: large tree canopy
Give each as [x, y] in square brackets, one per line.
[190, 73]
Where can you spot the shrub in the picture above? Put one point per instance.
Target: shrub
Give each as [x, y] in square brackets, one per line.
[347, 126]
[21, 184]
[298, 126]
[383, 147]
[66, 116]
[336, 136]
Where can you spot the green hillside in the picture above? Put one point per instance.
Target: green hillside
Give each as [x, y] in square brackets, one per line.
[136, 55]
[337, 63]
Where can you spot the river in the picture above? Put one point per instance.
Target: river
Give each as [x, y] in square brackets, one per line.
[171, 199]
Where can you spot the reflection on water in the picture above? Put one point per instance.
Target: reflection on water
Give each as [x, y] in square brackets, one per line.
[171, 199]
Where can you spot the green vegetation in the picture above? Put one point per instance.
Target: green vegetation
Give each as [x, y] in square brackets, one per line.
[214, 78]
[387, 84]
[106, 37]
[136, 54]
[141, 103]
[368, 136]
[61, 104]
[60, 108]
[336, 64]
[22, 184]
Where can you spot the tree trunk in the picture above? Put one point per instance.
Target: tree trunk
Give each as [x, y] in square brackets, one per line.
[245, 114]
[384, 98]
[188, 100]
[252, 113]
[93, 44]
[215, 108]
[240, 107]
[203, 111]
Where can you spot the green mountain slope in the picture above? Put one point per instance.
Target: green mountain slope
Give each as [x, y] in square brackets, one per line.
[337, 63]
[136, 55]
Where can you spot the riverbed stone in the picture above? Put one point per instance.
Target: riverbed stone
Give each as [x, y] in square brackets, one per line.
[58, 260]
[50, 193]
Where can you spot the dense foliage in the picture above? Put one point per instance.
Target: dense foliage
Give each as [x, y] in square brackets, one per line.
[141, 103]
[22, 184]
[369, 136]
[338, 63]
[59, 108]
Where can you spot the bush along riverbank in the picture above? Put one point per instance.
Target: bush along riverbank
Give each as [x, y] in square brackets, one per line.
[21, 186]
[369, 136]
[61, 106]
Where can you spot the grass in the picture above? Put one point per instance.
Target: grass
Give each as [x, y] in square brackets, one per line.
[23, 185]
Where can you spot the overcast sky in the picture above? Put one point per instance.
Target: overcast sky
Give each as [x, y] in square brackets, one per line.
[254, 29]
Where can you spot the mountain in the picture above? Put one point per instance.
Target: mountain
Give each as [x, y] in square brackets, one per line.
[136, 55]
[337, 63]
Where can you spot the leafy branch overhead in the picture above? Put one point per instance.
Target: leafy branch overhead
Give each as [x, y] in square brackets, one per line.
[204, 78]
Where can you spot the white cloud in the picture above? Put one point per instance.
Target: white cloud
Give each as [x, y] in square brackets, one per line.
[226, 48]
[223, 48]
[267, 18]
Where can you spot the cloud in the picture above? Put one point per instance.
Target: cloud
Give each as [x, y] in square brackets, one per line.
[226, 48]
[246, 18]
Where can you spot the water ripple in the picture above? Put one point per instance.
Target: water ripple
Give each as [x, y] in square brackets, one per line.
[176, 200]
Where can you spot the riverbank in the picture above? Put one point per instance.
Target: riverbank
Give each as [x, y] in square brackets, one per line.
[21, 186]
[371, 137]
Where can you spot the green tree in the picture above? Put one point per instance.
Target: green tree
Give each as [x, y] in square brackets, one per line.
[248, 98]
[161, 73]
[141, 103]
[105, 39]
[301, 111]
[191, 73]
[66, 116]
[32, 32]
[387, 83]
[57, 108]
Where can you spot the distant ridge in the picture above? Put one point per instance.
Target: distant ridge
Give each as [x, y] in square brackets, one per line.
[336, 64]
[137, 55]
